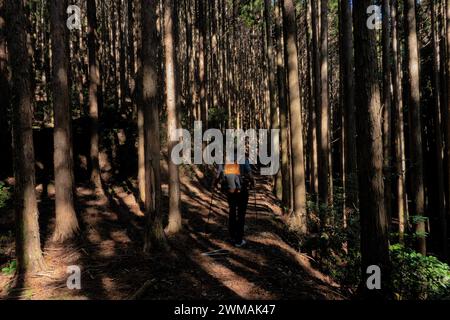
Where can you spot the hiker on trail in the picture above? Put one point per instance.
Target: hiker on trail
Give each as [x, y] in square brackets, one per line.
[235, 180]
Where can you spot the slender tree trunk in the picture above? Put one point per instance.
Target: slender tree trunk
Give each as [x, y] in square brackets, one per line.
[274, 124]
[28, 245]
[170, 46]
[299, 216]
[417, 184]
[374, 226]
[348, 92]
[122, 62]
[151, 84]
[399, 125]
[447, 133]
[66, 220]
[94, 82]
[316, 90]
[5, 132]
[387, 106]
[131, 45]
[202, 43]
[441, 215]
[281, 81]
[323, 135]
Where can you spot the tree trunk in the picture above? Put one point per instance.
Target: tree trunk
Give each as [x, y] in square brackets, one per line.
[374, 226]
[317, 93]
[399, 125]
[447, 133]
[417, 184]
[94, 82]
[274, 124]
[5, 132]
[348, 92]
[28, 245]
[323, 134]
[441, 215]
[387, 105]
[202, 64]
[281, 81]
[154, 235]
[172, 98]
[66, 220]
[299, 216]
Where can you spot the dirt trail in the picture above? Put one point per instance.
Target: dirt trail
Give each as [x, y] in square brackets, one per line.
[113, 266]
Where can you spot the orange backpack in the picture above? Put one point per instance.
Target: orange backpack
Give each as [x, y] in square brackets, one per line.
[232, 168]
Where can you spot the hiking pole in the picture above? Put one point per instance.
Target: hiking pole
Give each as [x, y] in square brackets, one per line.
[254, 193]
[210, 208]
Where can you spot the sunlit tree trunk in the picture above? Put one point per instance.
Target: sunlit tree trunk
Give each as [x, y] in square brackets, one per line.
[170, 45]
[299, 216]
[316, 93]
[323, 135]
[66, 220]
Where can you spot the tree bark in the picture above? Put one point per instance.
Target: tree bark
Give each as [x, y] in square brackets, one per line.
[348, 92]
[202, 63]
[282, 102]
[5, 132]
[325, 192]
[417, 184]
[94, 82]
[387, 105]
[374, 225]
[151, 79]
[447, 133]
[172, 98]
[399, 139]
[28, 245]
[317, 93]
[66, 220]
[441, 215]
[299, 215]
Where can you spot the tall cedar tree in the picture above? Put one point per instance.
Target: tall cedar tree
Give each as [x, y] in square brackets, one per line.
[170, 29]
[151, 84]
[440, 196]
[399, 142]
[323, 135]
[417, 183]
[5, 132]
[28, 244]
[66, 221]
[94, 82]
[348, 96]
[281, 82]
[299, 216]
[374, 224]
[387, 104]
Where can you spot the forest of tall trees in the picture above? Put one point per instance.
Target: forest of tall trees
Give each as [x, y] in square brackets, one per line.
[355, 95]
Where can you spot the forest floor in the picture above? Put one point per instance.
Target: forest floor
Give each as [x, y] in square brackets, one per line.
[109, 252]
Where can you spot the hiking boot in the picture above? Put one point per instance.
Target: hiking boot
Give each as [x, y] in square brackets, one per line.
[240, 244]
